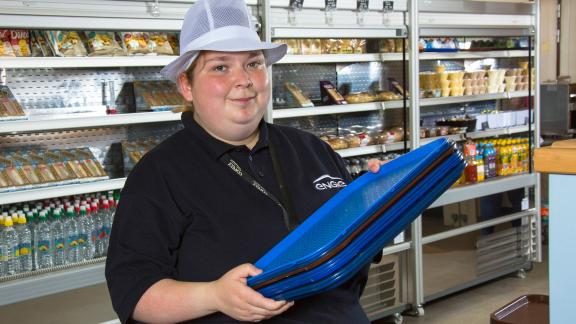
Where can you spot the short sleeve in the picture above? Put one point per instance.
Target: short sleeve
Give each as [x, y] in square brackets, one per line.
[145, 235]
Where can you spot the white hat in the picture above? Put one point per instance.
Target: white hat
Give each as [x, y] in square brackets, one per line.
[218, 25]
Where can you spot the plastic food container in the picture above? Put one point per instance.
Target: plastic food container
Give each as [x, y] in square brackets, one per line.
[528, 309]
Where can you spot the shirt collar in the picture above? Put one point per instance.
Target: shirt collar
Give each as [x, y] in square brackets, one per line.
[215, 146]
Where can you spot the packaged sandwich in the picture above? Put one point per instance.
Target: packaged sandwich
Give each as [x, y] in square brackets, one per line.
[299, 97]
[4, 181]
[39, 45]
[5, 45]
[358, 45]
[311, 46]
[65, 43]
[43, 169]
[58, 166]
[331, 46]
[174, 40]
[330, 96]
[136, 43]
[20, 40]
[158, 43]
[101, 43]
[9, 106]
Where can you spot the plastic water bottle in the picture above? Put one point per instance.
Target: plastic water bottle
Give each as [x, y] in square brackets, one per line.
[10, 251]
[71, 232]
[100, 226]
[58, 239]
[85, 229]
[25, 244]
[43, 243]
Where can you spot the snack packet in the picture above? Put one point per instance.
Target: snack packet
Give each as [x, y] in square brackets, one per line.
[5, 45]
[136, 43]
[158, 43]
[20, 40]
[174, 39]
[65, 43]
[101, 43]
[38, 44]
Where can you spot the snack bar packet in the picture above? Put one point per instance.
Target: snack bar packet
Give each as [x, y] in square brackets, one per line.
[174, 39]
[20, 40]
[5, 45]
[101, 43]
[158, 43]
[330, 95]
[65, 43]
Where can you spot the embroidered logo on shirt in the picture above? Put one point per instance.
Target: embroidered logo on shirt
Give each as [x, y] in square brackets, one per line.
[328, 182]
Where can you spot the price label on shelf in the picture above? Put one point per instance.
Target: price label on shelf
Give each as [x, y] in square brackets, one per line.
[362, 5]
[388, 6]
[296, 4]
[330, 5]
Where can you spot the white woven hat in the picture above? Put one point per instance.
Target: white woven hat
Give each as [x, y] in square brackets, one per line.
[218, 25]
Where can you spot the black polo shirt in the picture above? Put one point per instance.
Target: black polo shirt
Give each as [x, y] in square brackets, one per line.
[183, 214]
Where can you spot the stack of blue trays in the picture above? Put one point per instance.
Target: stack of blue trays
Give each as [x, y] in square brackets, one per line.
[345, 233]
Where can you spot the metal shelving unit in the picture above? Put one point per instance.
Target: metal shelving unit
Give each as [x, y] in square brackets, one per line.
[12, 197]
[35, 125]
[83, 62]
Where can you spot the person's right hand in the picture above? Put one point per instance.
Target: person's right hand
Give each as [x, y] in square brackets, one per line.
[234, 298]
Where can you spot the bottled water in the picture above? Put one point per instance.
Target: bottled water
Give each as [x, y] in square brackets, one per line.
[100, 225]
[9, 246]
[85, 229]
[58, 239]
[31, 224]
[43, 243]
[25, 244]
[71, 233]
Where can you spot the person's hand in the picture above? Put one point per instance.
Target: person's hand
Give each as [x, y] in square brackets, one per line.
[234, 298]
[374, 165]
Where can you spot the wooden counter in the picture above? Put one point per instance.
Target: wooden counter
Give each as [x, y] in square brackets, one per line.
[560, 158]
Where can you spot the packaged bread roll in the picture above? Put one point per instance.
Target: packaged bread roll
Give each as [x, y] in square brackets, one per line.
[298, 95]
[330, 95]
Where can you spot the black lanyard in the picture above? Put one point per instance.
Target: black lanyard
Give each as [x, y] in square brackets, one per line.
[289, 218]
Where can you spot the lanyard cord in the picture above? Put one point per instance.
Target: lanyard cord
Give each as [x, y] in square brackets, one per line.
[288, 215]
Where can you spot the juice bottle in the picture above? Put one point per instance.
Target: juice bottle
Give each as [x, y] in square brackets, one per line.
[480, 173]
[514, 165]
[470, 171]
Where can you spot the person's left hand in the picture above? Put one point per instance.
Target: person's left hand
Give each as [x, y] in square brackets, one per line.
[374, 165]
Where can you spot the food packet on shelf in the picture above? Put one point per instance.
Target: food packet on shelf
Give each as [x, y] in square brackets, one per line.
[28, 168]
[9, 106]
[5, 183]
[65, 43]
[294, 45]
[158, 43]
[174, 40]
[299, 96]
[102, 43]
[38, 45]
[45, 171]
[5, 45]
[89, 163]
[20, 40]
[58, 166]
[311, 46]
[136, 43]
[330, 95]
[72, 162]
[330, 46]
[13, 171]
[358, 45]
[346, 47]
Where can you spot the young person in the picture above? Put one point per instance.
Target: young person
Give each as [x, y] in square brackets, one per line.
[189, 224]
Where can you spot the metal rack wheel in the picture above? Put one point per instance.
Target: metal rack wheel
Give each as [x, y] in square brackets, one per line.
[398, 318]
[521, 273]
[417, 310]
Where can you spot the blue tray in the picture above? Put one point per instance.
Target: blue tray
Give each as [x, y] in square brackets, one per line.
[387, 226]
[346, 211]
[346, 272]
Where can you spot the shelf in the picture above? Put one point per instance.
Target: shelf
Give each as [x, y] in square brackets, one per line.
[27, 126]
[472, 55]
[371, 149]
[83, 62]
[498, 132]
[38, 285]
[335, 109]
[483, 97]
[340, 58]
[485, 188]
[60, 191]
